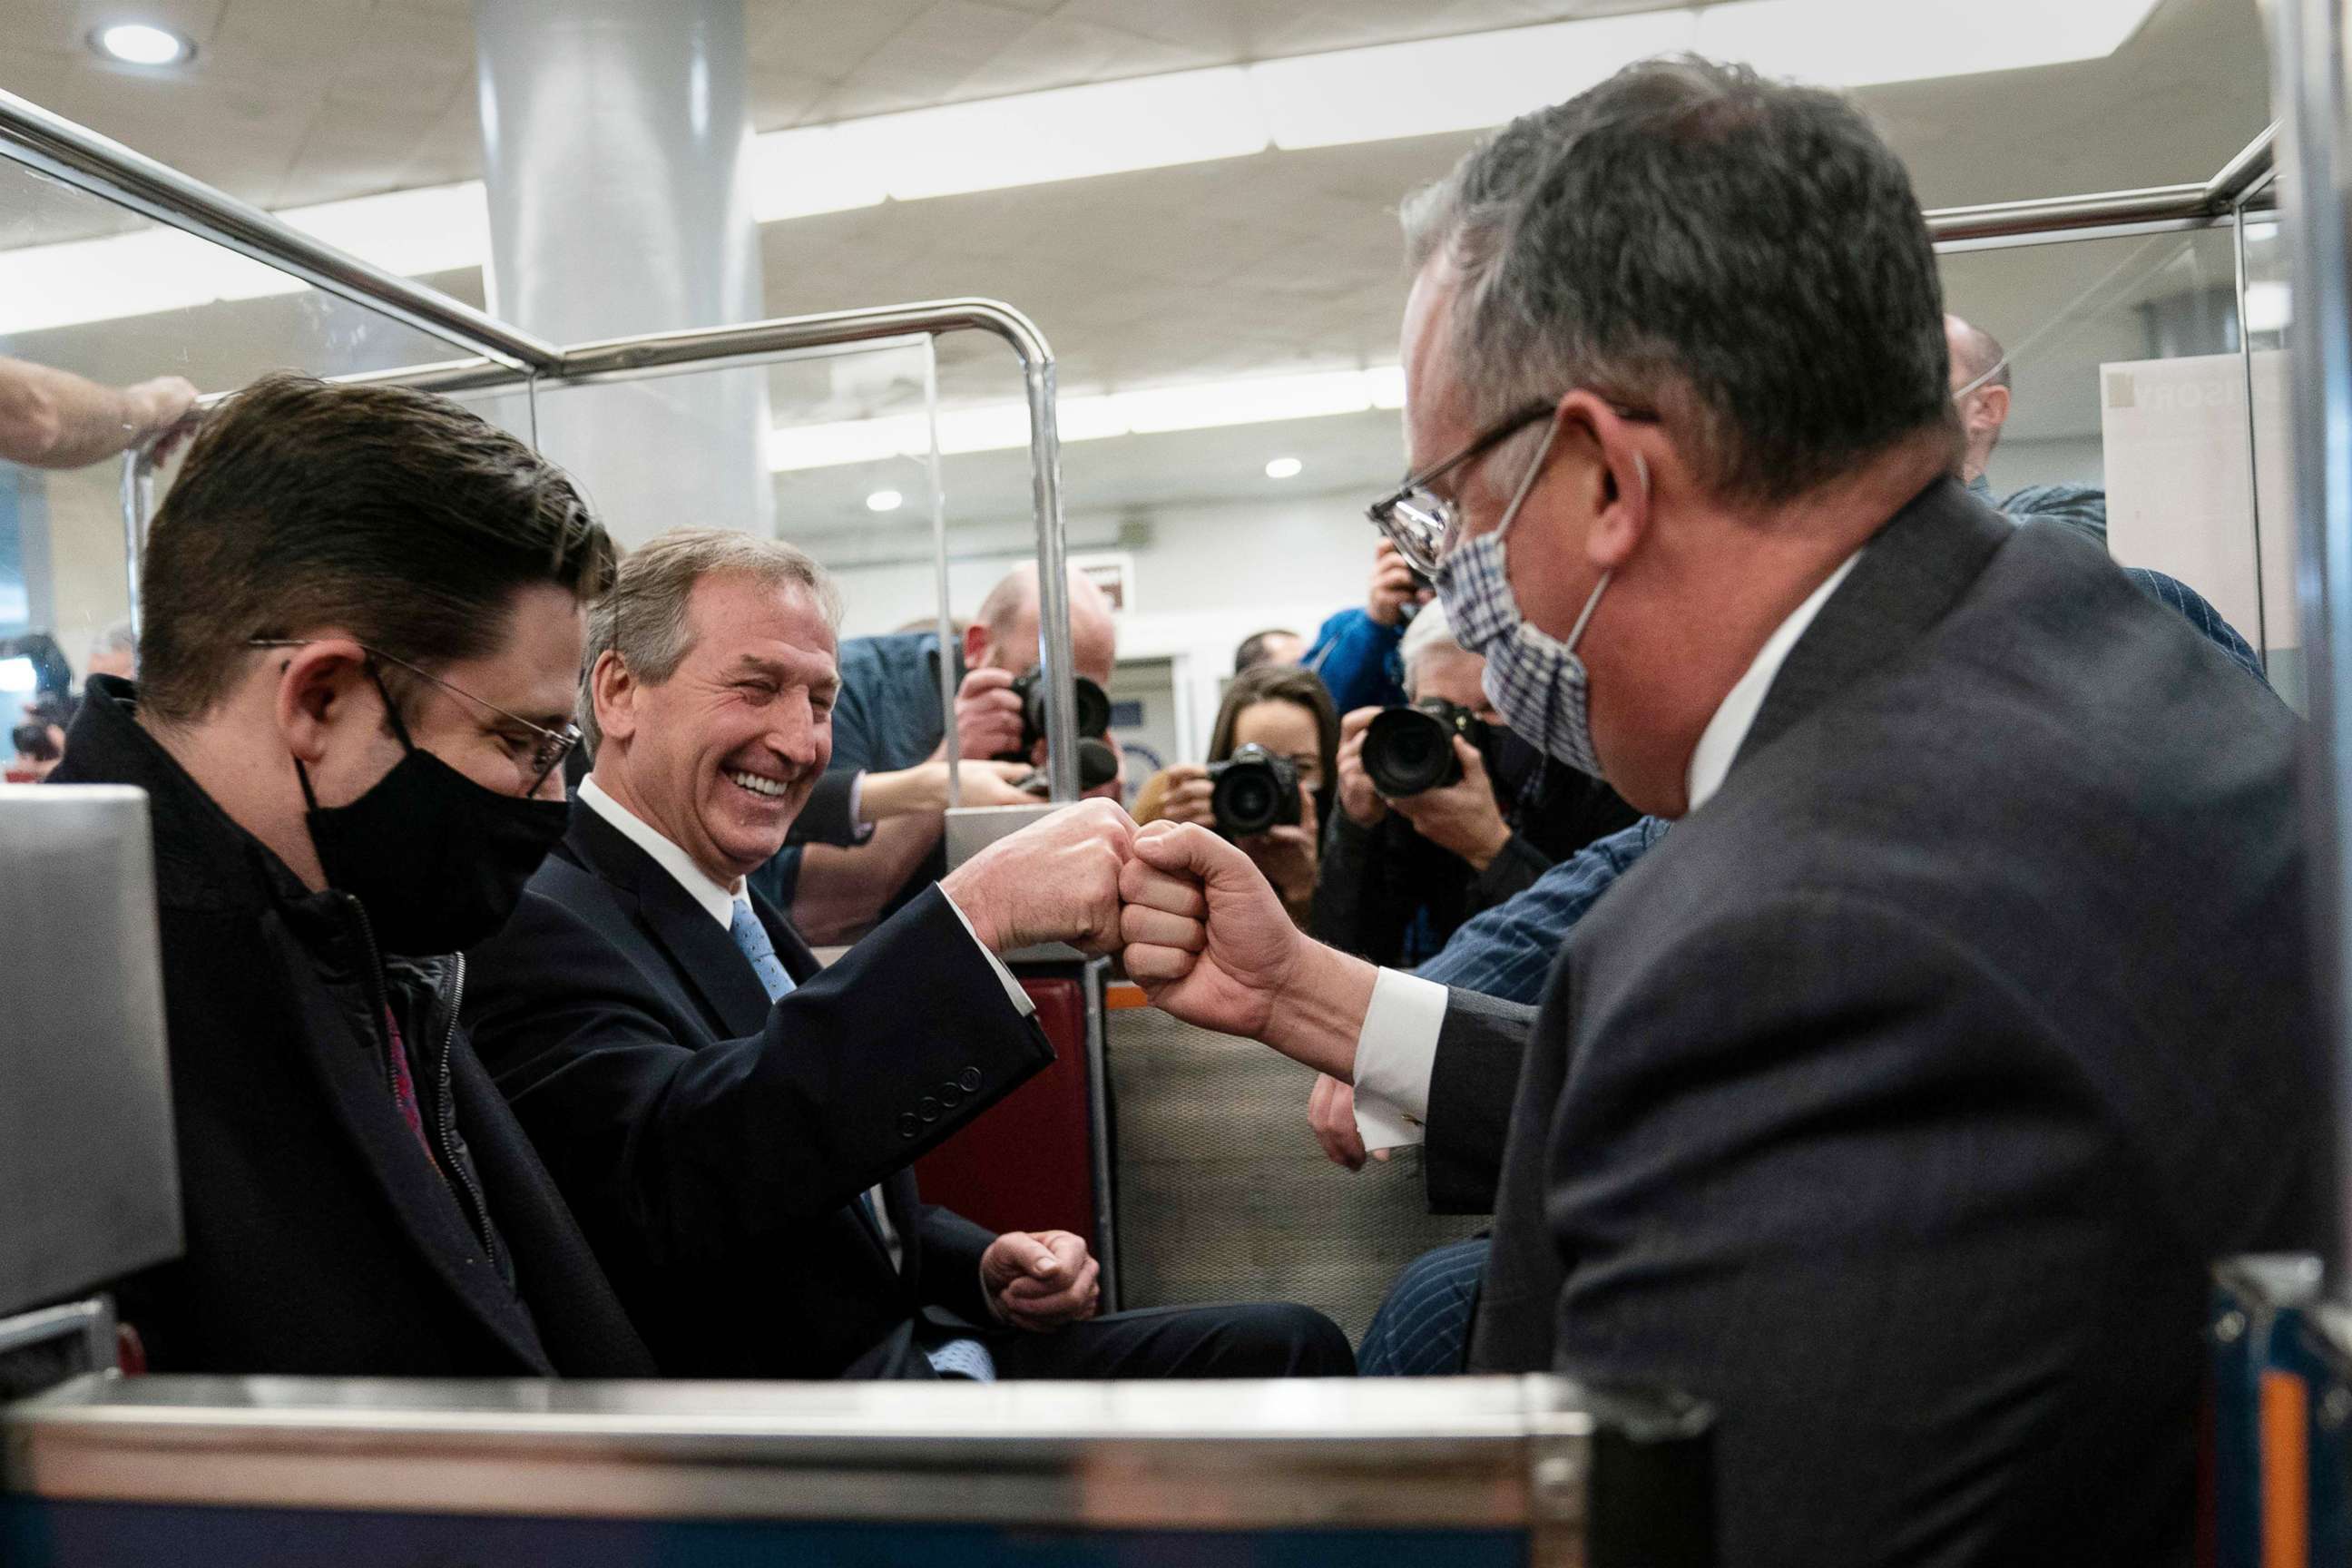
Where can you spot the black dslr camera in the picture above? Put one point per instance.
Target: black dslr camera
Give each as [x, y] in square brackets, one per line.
[1409, 751]
[1093, 705]
[1252, 791]
[1098, 763]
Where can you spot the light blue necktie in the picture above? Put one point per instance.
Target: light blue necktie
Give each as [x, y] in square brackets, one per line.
[751, 941]
[963, 1358]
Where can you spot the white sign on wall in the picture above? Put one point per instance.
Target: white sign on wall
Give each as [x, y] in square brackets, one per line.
[2182, 496]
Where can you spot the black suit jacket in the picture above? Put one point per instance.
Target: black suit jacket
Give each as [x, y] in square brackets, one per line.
[714, 1146]
[1898, 1101]
[321, 1240]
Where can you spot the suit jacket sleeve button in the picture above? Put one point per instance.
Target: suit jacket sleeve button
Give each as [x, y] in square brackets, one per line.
[950, 1095]
[927, 1108]
[970, 1078]
[908, 1125]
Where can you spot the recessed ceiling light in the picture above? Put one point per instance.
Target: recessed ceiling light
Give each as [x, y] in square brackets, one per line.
[884, 501]
[1284, 468]
[137, 44]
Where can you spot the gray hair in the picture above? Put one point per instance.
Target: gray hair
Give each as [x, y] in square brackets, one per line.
[116, 638]
[643, 618]
[1430, 633]
[1743, 258]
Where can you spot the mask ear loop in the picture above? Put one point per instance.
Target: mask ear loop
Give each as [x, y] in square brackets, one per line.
[392, 715]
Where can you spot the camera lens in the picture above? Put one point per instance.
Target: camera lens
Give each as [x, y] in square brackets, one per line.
[1091, 702]
[1410, 752]
[1253, 792]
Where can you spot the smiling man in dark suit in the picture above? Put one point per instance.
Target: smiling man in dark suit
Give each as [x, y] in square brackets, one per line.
[1898, 1101]
[736, 1129]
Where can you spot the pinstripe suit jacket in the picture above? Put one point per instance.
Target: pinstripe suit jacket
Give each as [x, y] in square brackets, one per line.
[1899, 1098]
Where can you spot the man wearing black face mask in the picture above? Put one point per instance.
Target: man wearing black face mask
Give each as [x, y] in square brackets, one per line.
[1400, 874]
[363, 619]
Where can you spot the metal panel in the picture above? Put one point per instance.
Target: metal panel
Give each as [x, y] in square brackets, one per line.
[2311, 89]
[88, 1178]
[1255, 1455]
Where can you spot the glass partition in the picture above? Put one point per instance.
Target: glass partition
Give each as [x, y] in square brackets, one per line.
[2133, 411]
[87, 288]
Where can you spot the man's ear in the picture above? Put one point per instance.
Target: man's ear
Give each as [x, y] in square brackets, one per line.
[1993, 405]
[613, 693]
[318, 693]
[975, 646]
[1617, 471]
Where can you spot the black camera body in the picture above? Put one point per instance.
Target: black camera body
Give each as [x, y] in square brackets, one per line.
[1093, 704]
[1253, 791]
[1409, 751]
[1098, 763]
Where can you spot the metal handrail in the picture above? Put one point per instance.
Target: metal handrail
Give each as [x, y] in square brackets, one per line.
[80, 156]
[2208, 203]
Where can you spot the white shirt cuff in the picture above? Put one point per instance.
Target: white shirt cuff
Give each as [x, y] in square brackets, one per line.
[1013, 992]
[860, 830]
[1396, 1054]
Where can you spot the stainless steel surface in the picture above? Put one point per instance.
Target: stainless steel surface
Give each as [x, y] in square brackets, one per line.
[2241, 175]
[1053, 582]
[92, 1323]
[1099, 1135]
[138, 499]
[949, 659]
[1426, 1454]
[2253, 434]
[87, 1181]
[2009, 220]
[58, 147]
[2309, 86]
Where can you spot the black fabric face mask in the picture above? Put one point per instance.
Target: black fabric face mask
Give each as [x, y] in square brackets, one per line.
[437, 861]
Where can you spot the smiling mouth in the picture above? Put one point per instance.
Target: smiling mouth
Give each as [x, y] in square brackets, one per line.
[765, 788]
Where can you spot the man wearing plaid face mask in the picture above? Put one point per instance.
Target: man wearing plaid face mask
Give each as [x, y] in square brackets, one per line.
[1843, 1110]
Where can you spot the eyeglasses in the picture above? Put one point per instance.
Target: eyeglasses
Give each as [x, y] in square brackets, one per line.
[1422, 523]
[548, 747]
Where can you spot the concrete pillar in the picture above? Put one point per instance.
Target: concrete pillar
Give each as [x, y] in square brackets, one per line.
[615, 140]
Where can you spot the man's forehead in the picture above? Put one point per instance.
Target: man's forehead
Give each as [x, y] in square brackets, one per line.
[1433, 403]
[729, 615]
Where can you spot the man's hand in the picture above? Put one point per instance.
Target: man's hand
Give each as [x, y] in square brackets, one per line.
[1332, 1112]
[1040, 1280]
[1395, 585]
[1463, 816]
[1187, 799]
[156, 409]
[1357, 797]
[1054, 880]
[987, 715]
[1207, 937]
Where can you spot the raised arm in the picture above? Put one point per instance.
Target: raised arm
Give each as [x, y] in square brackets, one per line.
[55, 419]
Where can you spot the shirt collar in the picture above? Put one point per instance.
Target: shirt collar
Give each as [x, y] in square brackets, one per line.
[1719, 742]
[717, 901]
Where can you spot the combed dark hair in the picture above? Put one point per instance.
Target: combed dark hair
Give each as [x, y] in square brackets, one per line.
[394, 514]
[1744, 257]
[1283, 683]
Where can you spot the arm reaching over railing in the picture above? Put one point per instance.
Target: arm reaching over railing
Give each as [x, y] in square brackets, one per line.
[56, 419]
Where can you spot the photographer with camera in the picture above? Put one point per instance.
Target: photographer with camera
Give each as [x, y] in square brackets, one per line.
[872, 836]
[1268, 785]
[1444, 813]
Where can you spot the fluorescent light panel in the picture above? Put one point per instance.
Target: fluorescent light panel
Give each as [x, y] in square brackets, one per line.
[1466, 82]
[1091, 416]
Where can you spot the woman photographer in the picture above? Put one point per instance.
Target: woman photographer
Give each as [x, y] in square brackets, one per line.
[1284, 713]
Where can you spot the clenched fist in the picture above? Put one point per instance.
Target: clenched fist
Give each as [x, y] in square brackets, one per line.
[1054, 880]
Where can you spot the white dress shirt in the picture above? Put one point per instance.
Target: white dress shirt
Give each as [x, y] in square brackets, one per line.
[1396, 1050]
[719, 904]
